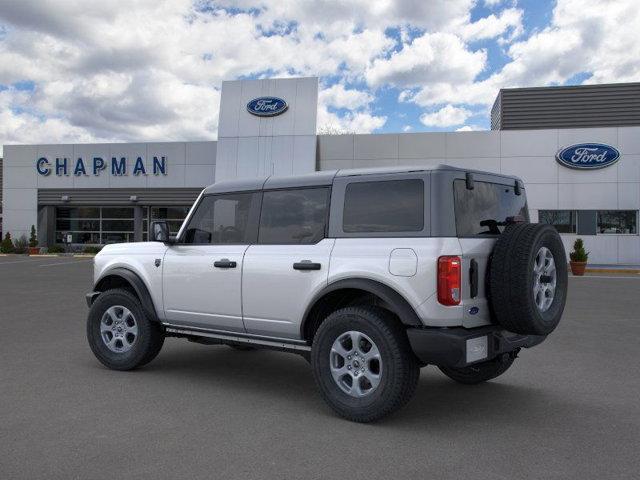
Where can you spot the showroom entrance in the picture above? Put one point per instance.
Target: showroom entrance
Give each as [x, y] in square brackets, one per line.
[95, 217]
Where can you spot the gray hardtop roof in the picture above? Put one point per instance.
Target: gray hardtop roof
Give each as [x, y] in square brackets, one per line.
[326, 177]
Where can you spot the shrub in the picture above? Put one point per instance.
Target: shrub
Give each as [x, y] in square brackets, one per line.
[33, 238]
[21, 244]
[91, 249]
[56, 249]
[579, 254]
[7, 244]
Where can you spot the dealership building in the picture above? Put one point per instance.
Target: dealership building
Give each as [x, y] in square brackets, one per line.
[576, 148]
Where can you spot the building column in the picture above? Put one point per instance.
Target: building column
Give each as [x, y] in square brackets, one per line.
[138, 217]
[46, 229]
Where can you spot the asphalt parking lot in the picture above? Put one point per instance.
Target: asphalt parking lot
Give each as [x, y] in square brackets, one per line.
[567, 409]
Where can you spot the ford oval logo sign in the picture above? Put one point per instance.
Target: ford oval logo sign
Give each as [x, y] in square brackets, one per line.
[267, 106]
[588, 156]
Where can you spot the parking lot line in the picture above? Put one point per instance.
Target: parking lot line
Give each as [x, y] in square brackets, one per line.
[64, 263]
[20, 261]
[617, 277]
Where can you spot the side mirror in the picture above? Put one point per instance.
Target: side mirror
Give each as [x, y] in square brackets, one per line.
[160, 232]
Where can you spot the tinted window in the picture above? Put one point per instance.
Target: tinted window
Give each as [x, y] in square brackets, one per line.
[294, 216]
[220, 219]
[618, 221]
[563, 220]
[485, 209]
[388, 206]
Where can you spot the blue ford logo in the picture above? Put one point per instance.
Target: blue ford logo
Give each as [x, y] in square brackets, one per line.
[474, 310]
[588, 156]
[267, 106]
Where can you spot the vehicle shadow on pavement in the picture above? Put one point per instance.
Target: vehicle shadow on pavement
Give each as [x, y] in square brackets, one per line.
[439, 403]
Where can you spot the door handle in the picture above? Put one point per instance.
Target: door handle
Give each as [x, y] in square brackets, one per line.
[306, 265]
[224, 263]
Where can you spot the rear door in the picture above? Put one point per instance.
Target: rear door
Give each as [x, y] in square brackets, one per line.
[289, 263]
[481, 213]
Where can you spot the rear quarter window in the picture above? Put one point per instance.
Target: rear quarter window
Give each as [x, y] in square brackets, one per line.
[384, 206]
[485, 209]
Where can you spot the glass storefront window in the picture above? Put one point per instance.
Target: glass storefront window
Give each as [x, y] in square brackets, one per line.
[174, 216]
[563, 220]
[94, 225]
[618, 221]
[103, 225]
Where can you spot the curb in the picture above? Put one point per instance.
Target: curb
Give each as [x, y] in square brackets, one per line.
[626, 271]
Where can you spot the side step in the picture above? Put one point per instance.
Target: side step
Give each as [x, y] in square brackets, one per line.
[233, 338]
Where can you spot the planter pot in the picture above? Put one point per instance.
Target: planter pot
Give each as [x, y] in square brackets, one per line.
[578, 268]
[34, 250]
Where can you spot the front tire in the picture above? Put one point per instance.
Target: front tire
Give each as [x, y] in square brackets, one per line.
[120, 333]
[480, 372]
[363, 364]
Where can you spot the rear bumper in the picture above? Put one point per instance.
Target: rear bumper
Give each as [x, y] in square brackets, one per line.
[459, 347]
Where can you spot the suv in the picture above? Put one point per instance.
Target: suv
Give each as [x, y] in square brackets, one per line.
[369, 274]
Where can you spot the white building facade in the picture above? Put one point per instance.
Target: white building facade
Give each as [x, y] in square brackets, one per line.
[103, 193]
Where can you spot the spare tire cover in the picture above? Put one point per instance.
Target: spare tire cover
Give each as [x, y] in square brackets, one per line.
[528, 279]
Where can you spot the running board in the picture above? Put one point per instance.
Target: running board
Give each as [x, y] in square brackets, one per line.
[235, 338]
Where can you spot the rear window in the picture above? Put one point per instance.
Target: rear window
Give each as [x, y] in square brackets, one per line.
[485, 209]
[385, 206]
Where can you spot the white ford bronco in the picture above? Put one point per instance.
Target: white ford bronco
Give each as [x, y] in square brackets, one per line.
[369, 274]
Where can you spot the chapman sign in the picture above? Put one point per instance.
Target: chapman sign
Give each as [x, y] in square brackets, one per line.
[588, 156]
[117, 166]
[267, 106]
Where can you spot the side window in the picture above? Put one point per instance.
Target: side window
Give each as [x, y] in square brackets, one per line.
[220, 219]
[384, 206]
[297, 216]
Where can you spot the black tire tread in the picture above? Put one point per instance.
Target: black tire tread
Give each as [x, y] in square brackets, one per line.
[152, 334]
[509, 280]
[406, 365]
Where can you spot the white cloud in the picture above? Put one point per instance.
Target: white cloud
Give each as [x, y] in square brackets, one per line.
[152, 70]
[351, 122]
[447, 116]
[407, 128]
[433, 57]
[338, 96]
[469, 128]
[582, 37]
[509, 20]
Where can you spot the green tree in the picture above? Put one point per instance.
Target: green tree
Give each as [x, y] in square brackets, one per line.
[7, 245]
[33, 238]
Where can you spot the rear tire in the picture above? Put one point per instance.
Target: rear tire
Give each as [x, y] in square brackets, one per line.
[480, 372]
[120, 333]
[363, 364]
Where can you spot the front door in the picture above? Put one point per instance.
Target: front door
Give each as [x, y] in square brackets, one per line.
[290, 262]
[202, 274]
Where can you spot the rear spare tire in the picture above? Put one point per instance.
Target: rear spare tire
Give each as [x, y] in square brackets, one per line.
[528, 279]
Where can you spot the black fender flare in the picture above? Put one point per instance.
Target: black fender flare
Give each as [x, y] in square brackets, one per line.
[397, 303]
[133, 279]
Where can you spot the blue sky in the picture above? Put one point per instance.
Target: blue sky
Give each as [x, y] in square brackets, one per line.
[77, 71]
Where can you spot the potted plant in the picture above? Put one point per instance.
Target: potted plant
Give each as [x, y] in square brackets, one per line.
[578, 258]
[33, 242]
[7, 244]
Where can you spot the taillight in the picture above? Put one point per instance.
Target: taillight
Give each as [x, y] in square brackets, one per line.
[449, 280]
